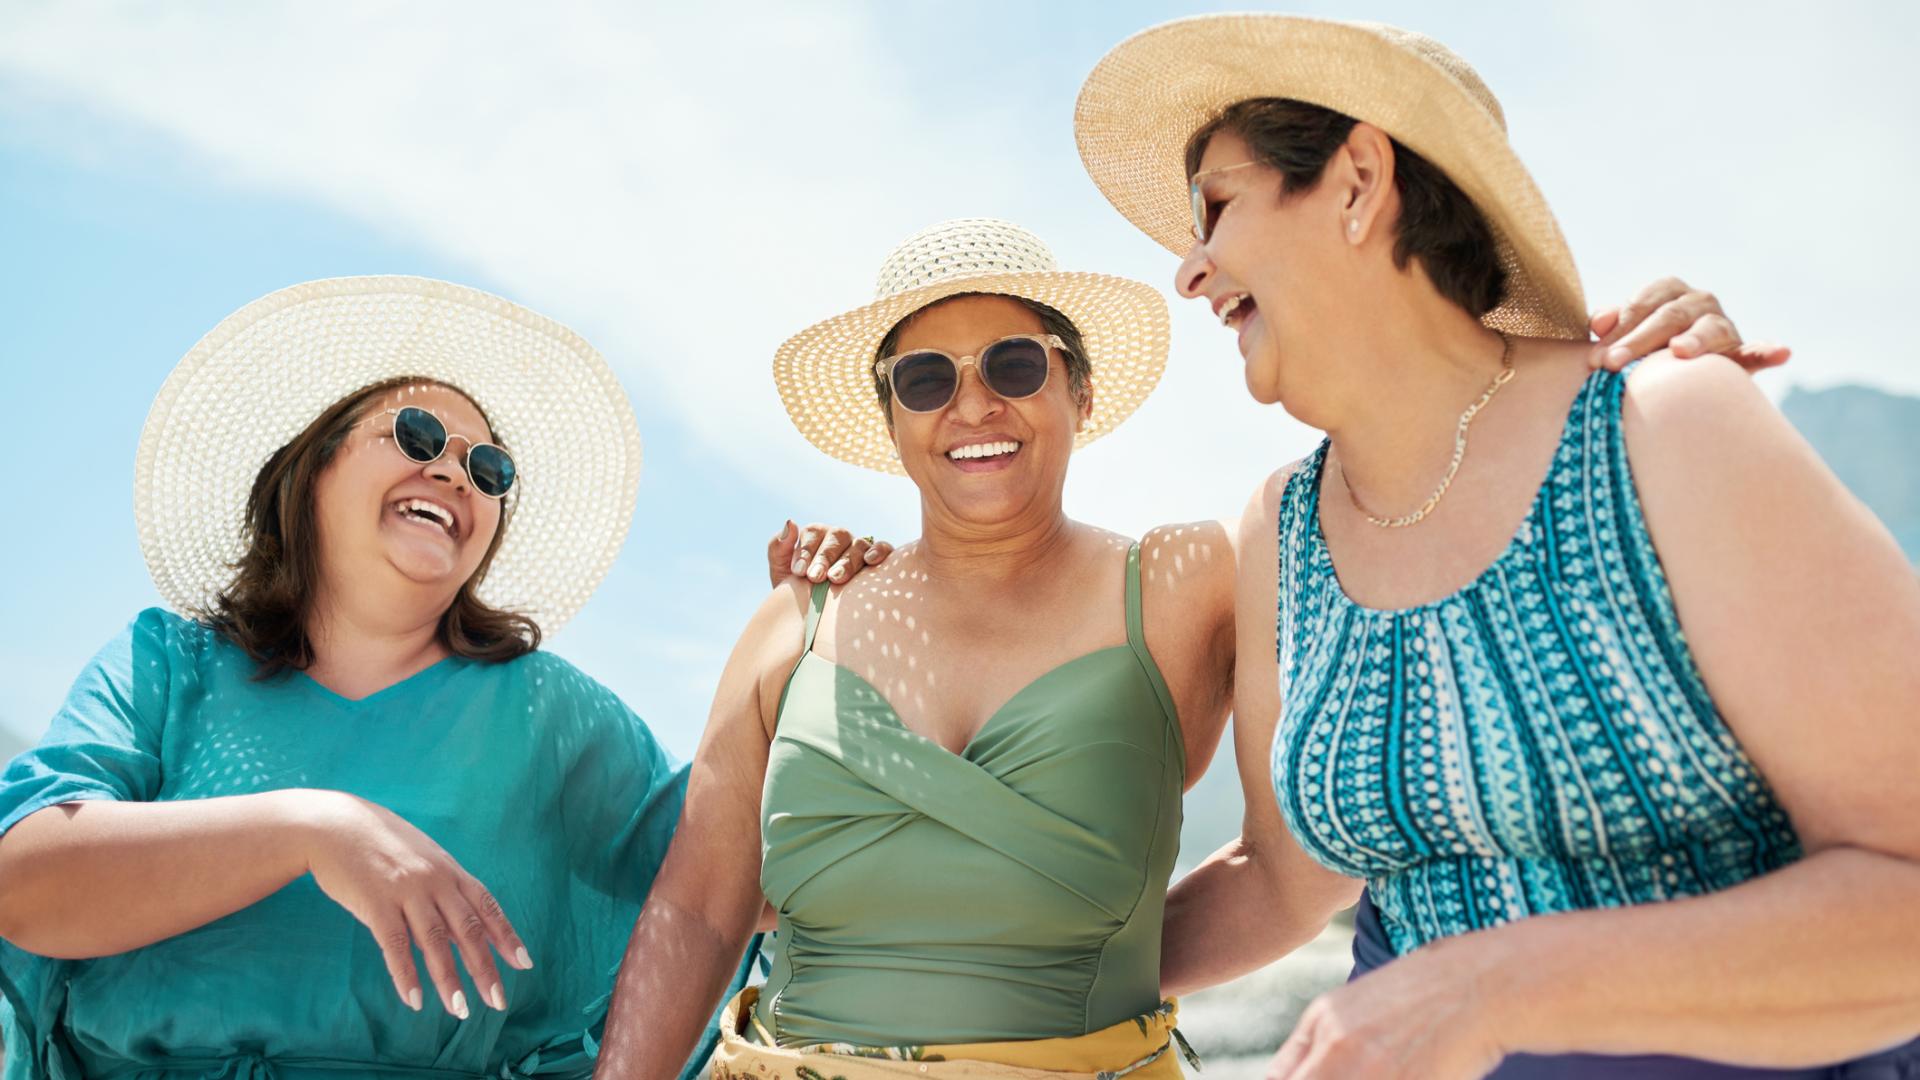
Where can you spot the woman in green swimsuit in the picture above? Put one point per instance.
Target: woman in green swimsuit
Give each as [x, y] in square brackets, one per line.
[963, 770]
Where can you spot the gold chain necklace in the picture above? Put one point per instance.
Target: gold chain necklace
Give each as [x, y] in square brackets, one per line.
[1459, 450]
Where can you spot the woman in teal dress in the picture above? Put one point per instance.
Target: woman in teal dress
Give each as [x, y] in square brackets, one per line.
[245, 831]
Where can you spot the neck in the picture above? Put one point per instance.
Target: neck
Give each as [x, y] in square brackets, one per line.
[1414, 368]
[362, 646]
[955, 550]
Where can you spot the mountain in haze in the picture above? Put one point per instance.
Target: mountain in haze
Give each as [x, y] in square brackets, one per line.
[1871, 439]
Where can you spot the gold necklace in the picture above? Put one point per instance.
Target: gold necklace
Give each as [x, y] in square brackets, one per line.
[1459, 450]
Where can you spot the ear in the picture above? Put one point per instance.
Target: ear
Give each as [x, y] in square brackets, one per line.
[1365, 186]
[1086, 410]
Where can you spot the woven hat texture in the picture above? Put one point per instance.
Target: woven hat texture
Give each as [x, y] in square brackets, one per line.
[1146, 97]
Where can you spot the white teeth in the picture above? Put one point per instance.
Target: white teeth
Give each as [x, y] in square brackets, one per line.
[981, 450]
[1227, 309]
[432, 510]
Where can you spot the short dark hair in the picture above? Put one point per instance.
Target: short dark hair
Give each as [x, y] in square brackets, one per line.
[1438, 224]
[1079, 368]
[264, 609]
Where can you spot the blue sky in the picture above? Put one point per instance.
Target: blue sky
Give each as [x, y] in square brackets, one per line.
[686, 188]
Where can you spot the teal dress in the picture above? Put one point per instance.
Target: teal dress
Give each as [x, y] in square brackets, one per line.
[537, 779]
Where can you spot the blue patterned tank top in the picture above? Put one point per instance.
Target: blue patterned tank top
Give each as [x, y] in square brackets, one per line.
[1538, 741]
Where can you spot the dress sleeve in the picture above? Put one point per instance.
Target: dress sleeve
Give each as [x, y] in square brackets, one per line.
[624, 793]
[104, 742]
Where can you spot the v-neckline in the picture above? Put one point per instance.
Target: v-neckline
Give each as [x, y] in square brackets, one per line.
[392, 689]
[965, 753]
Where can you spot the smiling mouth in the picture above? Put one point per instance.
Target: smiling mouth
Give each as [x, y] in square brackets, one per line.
[990, 451]
[428, 513]
[1236, 311]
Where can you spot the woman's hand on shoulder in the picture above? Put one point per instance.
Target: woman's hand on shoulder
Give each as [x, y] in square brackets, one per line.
[1670, 314]
[408, 892]
[1799, 608]
[822, 553]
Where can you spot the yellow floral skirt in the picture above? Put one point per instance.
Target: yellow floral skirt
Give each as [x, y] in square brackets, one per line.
[1144, 1048]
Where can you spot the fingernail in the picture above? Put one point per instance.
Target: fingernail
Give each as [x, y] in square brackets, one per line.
[499, 998]
[525, 961]
[1618, 355]
[460, 1004]
[413, 999]
[839, 571]
[799, 566]
[786, 530]
[873, 555]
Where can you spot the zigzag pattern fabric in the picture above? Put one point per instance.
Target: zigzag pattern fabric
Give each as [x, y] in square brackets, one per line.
[1538, 741]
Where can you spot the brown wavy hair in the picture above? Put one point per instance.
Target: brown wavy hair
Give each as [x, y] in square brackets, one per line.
[265, 609]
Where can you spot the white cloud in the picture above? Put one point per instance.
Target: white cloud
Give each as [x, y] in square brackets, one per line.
[688, 184]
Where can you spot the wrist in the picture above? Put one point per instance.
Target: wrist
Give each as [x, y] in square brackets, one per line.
[1522, 984]
[306, 819]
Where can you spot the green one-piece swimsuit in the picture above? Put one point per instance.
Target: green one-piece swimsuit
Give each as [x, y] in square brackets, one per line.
[1012, 891]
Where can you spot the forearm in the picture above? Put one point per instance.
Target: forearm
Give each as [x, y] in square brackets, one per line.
[1816, 963]
[96, 878]
[1235, 914]
[676, 967]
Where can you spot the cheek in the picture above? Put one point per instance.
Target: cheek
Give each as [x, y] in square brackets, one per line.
[486, 524]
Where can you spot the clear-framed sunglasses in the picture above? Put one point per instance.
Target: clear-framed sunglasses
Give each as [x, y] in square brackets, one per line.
[1013, 367]
[1201, 226]
[423, 438]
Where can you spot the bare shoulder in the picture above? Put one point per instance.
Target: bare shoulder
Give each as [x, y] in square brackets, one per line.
[771, 644]
[1799, 610]
[1256, 535]
[1667, 398]
[1193, 555]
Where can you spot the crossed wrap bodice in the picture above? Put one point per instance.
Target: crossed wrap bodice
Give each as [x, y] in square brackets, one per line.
[1013, 890]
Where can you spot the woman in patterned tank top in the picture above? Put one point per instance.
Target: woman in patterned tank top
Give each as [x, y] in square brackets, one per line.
[1614, 713]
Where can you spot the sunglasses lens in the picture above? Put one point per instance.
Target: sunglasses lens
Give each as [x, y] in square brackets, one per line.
[1015, 368]
[924, 381]
[491, 470]
[419, 434]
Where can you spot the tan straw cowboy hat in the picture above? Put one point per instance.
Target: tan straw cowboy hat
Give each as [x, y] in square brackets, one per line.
[262, 375]
[1145, 98]
[825, 373]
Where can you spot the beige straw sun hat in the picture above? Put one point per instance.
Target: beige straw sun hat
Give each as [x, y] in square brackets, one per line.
[1145, 98]
[825, 372]
[262, 375]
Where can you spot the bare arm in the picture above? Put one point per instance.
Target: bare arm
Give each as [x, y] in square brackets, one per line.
[1804, 620]
[705, 903]
[91, 879]
[95, 878]
[1260, 897]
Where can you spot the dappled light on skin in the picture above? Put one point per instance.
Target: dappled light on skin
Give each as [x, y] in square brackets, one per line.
[1180, 548]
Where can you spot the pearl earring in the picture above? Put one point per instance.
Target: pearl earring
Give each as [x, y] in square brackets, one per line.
[1353, 226]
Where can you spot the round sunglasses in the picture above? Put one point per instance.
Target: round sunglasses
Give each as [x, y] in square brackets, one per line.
[1014, 367]
[423, 438]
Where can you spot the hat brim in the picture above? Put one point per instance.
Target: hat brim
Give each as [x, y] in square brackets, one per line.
[825, 372]
[266, 371]
[1147, 97]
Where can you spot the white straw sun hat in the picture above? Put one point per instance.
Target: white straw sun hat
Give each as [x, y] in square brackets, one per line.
[262, 375]
[825, 372]
[1145, 98]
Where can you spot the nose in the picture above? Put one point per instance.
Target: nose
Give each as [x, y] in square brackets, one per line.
[445, 469]
[1190, 280]
[973, 402]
